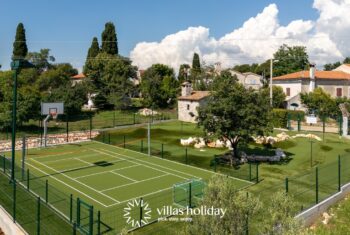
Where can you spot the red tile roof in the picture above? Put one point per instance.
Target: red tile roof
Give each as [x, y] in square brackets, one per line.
[79, 76]
[331, 75]
[195, 96]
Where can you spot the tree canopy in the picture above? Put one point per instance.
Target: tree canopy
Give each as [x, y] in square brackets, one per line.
[93, 51]
[290, 59]
[183, 72]
[234, 113]
[20, 48]
[41, 60]
[109, 39]
[159, 86]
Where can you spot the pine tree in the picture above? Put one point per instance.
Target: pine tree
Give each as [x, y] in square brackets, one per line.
[92, 53]
[196, 64]
[109, 39]
[20, 48]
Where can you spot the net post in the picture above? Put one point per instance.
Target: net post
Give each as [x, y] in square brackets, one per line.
[162, 151]
[23, 155]
[124, 142]
[98, 222]
[71, 208]
[316, 185]
[67, 129]
[339, 174]
[14, 200]
[47, 191]
[287, 185]
[141, 211]
[28, 179]
[38, 217]
[78, 212]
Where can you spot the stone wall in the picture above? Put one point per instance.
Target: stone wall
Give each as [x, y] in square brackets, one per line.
[53, 139]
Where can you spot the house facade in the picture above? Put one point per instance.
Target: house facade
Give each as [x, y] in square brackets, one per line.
[78, 78]
[189, 101]
[249, 80]
[335, 82]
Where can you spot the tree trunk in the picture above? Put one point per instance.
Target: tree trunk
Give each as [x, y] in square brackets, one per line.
[234, 153]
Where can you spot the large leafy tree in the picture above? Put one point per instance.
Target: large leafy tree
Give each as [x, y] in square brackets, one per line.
[109, 39]
[20, 48]
[159, 86]
[92, 53]
[234, 113]
[278, 96]
[110, 76]
[320, 103]
[290, 59]
[41, 59]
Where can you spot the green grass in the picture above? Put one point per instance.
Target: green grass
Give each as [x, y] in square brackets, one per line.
[107, 177]
[272, 176]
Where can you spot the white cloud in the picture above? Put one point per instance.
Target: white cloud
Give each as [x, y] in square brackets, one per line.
[256, 40]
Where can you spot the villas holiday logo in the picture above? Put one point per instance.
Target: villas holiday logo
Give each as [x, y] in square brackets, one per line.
[137, 221]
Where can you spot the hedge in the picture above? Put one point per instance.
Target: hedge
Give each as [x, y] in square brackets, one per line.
[280, 117]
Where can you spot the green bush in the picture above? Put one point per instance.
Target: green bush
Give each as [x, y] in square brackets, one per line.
[280, 117]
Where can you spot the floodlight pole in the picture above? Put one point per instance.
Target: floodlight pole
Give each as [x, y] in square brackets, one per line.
[16, 65]
[271, 75]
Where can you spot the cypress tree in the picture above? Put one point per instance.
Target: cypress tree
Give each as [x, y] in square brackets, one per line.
[20, 48]
[94, 49]
[196, 64]
[109, 39]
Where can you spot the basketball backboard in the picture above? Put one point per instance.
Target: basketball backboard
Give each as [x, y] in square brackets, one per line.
[55, 108]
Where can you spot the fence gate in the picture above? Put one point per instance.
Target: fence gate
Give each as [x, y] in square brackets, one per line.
[85, 217]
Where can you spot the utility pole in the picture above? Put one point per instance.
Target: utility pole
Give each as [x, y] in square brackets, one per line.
[271, 76]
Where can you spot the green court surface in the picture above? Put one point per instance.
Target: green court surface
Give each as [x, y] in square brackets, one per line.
[108, 177]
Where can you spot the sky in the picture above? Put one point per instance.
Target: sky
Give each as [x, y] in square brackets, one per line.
[168, 31]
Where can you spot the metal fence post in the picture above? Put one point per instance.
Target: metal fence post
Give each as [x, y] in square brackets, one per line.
[134, 118]
[124, 142]
[299, 122]
[78, 212]
[67, 128]
[90, 125]
[28, 179]
[141, 211]
[71, 209]
[91, 221]
[339, 174]
[4, 163]
[14, 200]
[316, 185]
[23, 155]
[114, 118]
[162, 154]
[38, 218]
[74, 228]
[109, 138]
[98, 222]
[257, 173]
[186, 155]
[287, 185]
[47, 191]
[250, 171]
[190, 195]
[141, 146]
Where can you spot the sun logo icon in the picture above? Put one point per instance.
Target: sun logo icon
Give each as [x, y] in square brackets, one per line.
[143, 215]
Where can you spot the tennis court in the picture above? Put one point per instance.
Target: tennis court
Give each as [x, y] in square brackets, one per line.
[108, 177]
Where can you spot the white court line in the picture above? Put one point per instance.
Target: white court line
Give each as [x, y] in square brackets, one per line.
[62, 182]
[127, 167]
[124, 185]
[53, 155]
[89, 163]
[178, 163]
[123, 177]
[164, 167]
[93, 189]
[71, 158]
[129, 159]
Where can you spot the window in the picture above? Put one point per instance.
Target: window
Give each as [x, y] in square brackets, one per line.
[339, 92]
[188, 107]
[287, 91]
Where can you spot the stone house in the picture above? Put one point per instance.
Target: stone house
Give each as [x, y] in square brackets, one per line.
[336, 83]
[78, 78]
[249, 80]
[189, 101]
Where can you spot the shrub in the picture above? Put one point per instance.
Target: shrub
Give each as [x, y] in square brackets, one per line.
[280, 117]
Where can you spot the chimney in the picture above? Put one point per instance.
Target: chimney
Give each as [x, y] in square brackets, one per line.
[186, 89]
[312, 77]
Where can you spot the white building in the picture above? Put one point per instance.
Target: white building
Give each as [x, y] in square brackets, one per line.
[336, 83]
[249, 80]
[189, 101]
